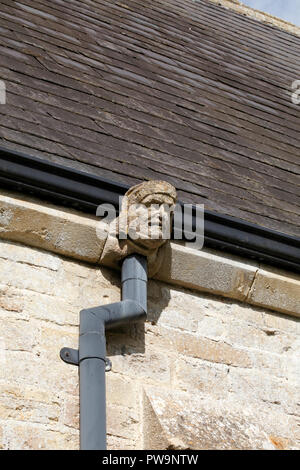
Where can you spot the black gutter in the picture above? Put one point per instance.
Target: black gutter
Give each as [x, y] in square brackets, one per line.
[85, 192]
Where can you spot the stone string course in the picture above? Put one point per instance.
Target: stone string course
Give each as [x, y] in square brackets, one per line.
[203, 372]
[72, 234]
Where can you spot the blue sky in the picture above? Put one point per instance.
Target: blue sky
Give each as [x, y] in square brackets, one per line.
[288, 10]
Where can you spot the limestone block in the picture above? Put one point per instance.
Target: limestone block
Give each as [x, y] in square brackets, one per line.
[23, 276]
[154, 436]
[282, 322]
[59, 230]
[276, 289]
[199, 376]
[27, 410]
[241, 334]
[18, 335]
[120, 443]
[50, 309]
[196, 346]
[43, 371]
[29, 436]
[122, 422]
[208, 271]
[178, 319]
[189, 422]
[261, 388]
[281, 365]
[12, 301]
[122, 391]
[26, 255]
[52, 339]
[70, 413]
[151, 366]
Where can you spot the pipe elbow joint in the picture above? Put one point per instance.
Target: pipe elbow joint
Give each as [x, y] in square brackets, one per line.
[132, 307]
[126, 311]
[111, 315]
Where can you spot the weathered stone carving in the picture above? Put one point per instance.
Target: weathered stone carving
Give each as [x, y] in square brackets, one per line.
[174, 419]
[143, 225]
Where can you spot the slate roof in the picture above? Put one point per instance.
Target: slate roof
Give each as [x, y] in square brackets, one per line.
[184, 91]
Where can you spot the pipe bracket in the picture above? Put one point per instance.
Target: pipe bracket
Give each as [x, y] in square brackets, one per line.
[70, 356]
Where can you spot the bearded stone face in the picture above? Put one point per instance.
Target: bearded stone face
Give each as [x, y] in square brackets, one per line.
[143, 225]
[150, 221]
[146, 215]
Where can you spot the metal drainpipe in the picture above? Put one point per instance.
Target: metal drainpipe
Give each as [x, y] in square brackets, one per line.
[91, 357]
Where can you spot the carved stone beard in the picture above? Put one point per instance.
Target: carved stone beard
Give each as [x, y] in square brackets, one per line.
[148, 225]
[115, 250]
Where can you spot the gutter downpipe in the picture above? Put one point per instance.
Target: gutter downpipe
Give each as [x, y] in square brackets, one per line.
[91, 356]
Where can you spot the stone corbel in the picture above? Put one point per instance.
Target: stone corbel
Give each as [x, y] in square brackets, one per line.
[132, 231]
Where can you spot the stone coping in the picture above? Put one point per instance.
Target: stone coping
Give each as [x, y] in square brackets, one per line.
[263, 17]
[67, 232]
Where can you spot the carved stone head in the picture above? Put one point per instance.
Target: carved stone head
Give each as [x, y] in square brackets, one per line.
[146, 216]
[143, 226]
